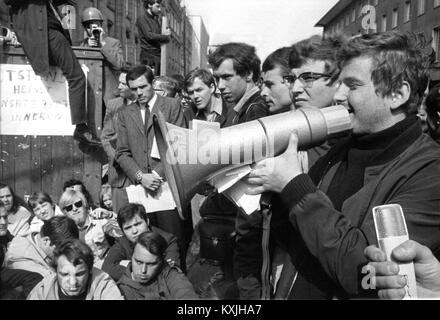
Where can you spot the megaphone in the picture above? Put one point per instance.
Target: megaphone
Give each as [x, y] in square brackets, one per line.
[193, 156]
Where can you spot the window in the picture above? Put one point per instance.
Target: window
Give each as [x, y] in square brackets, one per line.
[407, 11]
[347, 20]
[353, 15]
[436, 3]
[383, 26]
[395, 18]
[421, 7]
[360, 10]
[436, 43]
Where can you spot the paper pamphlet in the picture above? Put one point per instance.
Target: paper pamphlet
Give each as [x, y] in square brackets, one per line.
[226, 180]
[162, 201]
[237, 193]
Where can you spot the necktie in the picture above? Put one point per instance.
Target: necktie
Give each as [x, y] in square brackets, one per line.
[147, 116]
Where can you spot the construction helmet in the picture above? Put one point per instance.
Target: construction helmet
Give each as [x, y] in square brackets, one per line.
[91, 14]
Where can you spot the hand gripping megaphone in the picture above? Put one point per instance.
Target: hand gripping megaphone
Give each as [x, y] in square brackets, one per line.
[193, 156]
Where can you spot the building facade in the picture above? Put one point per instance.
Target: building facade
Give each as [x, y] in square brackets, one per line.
[354, 17]
[200, 43]
[120, 23]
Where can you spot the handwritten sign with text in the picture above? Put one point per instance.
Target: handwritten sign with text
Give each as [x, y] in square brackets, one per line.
[31, 105]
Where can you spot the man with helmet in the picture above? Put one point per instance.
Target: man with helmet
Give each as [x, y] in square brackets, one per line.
[111, 48]
[151, 35]
[38, 27]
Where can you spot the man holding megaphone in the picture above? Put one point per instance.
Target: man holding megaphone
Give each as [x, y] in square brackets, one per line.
[386, 160]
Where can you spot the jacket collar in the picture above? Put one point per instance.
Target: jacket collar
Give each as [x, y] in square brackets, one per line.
[246, 97]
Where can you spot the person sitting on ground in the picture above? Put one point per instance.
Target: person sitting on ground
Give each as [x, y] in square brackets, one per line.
[98, 232]
[18, 216]
[75, 278]
[35, 252]
[150, 277]
[43, 208]
[78, 185]
[133, 220]
[14, 284]
[105, 199]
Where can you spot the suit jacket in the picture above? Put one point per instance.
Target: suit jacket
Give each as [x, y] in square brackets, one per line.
[133, 147]
[113, 62]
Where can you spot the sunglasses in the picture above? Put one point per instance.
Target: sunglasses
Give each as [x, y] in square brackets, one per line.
[77, 204]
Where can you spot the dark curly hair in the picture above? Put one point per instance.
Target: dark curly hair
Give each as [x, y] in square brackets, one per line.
[243, 56]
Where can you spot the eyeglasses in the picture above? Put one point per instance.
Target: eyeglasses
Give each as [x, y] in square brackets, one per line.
[306, 78]
[77, 204]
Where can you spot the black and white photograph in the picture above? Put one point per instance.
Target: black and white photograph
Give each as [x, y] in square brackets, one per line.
[226, 156]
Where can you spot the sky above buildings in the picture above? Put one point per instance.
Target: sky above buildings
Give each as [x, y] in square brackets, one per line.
[267, 25]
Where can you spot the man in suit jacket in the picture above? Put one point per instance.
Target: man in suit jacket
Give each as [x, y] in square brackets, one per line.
[135, 141]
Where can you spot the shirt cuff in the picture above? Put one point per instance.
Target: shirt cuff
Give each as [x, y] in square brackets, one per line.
[297, 189]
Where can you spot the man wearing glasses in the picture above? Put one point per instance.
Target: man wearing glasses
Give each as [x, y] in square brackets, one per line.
[386, 160]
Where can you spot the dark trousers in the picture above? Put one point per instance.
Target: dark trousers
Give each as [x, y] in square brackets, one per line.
[62, 55]
[11, 279]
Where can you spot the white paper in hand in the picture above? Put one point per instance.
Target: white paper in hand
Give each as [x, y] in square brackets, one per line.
[163, 200]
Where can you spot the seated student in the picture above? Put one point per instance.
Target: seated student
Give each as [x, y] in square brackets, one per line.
[150, 277]
[18, 215]
[105, 198]
[35, 252]
[78, 185]
[11, 279]
[96, 233]
[75, 278]
[43, 208]
[133, 220]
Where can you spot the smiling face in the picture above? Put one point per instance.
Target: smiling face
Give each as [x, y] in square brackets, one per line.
[200, 94]
[76, 210]
[369, 111]
[44, 211]
[6, 198]
[72, 279]
[145, 266]
[231, 85]
[319, 94]
[275, 92]
[134, 227]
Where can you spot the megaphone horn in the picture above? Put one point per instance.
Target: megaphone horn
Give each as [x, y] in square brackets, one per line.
[193, 156]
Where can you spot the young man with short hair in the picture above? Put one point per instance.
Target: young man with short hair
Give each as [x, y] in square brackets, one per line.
[150, 277]
[150, 34]
[35, 252]
[133, 221]
[75, 278]
[386, 160]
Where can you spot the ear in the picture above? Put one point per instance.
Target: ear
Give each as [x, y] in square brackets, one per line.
[212, 88]
[400, 96]
[46, 241]
[249, 77]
